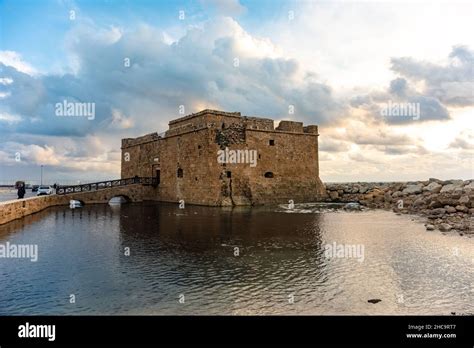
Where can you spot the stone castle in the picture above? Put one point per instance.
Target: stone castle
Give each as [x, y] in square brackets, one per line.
[221, 158]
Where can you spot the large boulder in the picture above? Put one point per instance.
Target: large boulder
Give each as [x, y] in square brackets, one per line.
[451, 188]
[347, 189]
[454, 182]
[398, 187]
[468, 188]
[433, 187]
[355, 189]
[464, 200]
[352, 206]
[378, 198]
[419, 202]
[435, 180]
[445, 227]
[450, 209]
[449, 198]
[370, 195]
[333, 195]
[397, 194]
[435, 203]
[438, 211]
[413, 189]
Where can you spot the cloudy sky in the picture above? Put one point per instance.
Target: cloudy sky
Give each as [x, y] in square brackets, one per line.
[344, 65]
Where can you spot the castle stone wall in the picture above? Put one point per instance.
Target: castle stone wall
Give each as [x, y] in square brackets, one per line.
[286, 163]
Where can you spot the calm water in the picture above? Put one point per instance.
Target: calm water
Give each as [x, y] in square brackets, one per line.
[190, 252]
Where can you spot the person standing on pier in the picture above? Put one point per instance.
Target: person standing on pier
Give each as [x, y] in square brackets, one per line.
[21, 191]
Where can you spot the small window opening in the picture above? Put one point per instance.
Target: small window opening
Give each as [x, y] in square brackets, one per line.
[269, 175]
[272, 142]
[229, 174]
[179, 173]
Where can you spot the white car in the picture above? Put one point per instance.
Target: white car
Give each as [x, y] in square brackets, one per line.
[44, 190]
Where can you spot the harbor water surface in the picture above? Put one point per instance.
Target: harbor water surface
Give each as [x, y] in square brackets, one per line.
[151, 258]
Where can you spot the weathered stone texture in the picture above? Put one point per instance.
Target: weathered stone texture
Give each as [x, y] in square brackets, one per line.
[287, 160]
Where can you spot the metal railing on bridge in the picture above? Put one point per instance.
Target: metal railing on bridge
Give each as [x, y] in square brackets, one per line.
[95, 186]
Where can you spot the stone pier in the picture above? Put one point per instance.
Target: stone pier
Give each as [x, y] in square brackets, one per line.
[16, 209]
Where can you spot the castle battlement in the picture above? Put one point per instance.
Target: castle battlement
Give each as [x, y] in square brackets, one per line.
[205, 112]
[221, 119]
[140, 140]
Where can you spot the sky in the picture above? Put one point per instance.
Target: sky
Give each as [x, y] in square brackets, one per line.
[390, 83]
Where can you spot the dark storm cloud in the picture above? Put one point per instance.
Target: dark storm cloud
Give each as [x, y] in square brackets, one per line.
[451, 84]
[463, 142]
[198, 69]
[399, 87]
[330, 145]
[444, 86]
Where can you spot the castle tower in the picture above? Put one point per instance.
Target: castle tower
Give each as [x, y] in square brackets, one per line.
[221, 158]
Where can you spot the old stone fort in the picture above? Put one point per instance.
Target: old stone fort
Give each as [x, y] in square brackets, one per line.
[221, 158]
[210, 158]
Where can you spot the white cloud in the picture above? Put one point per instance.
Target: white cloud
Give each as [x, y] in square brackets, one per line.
[5, 80]
[15, 60]
[8, 118]
[350, 43]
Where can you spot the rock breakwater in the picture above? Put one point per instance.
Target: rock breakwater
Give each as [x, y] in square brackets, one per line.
[445, 205]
